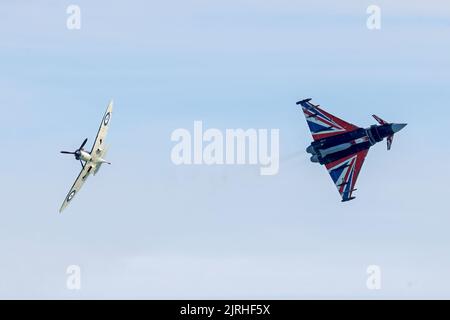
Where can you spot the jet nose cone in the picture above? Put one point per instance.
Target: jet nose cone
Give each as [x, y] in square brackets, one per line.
[396, 127]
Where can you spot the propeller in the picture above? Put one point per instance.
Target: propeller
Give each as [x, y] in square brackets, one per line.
[82, 145]
[76, 152]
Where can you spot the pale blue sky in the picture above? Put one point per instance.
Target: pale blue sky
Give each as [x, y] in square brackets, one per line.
[144, 228]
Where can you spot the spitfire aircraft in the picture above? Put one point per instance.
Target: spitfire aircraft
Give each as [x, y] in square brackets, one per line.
[342, 146]
[90, 161]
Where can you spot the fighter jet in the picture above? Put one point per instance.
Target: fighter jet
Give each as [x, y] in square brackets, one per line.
[342, 146]
[90, 161]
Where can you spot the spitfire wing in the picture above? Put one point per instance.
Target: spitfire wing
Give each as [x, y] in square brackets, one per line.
[102, 131]
[82, 177]
[323, 124]
[345, 171]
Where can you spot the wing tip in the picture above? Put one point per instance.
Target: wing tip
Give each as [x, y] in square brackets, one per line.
[347, 199]
[303, 101]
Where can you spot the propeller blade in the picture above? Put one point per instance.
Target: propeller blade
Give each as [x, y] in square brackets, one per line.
[82, 145]
[67, 152]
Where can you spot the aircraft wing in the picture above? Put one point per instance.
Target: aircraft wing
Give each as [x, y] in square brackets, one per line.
[345, 171]
[323, 124]
[102, 131]
[82, 177]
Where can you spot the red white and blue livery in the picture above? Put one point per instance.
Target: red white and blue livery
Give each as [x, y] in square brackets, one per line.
[342, 146]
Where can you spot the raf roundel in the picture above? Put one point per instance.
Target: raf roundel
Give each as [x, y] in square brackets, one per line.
[106, 120]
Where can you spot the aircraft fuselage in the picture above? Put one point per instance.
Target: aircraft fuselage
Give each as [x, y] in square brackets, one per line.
[87, 157]
[83, 155]
[332, 148]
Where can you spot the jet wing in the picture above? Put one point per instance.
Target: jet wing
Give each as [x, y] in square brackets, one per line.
[345, 171]
[82, 177]
[323, 124]
[102, 131]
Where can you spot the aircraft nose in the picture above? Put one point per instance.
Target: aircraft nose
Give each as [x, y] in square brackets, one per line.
[396, 127]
